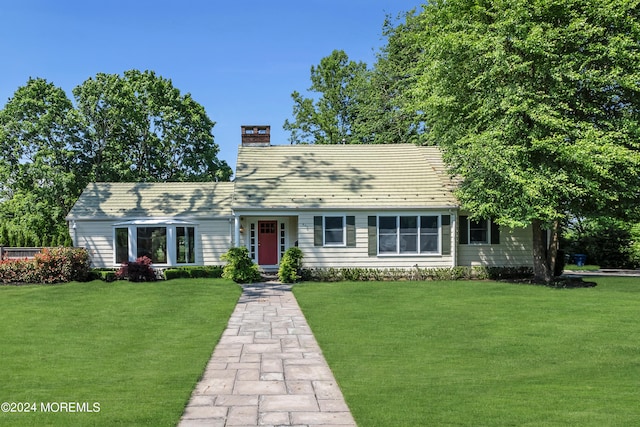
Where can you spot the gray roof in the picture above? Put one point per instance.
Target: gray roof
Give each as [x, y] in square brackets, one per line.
[341, 176]
[119, 200]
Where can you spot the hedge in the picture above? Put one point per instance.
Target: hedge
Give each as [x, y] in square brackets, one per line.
[57, 265]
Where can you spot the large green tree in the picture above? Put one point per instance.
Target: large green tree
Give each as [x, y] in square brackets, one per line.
[134, 127]
[536, 104]
[138, 127]
[329, 118]
[381, 113]
[39, 180]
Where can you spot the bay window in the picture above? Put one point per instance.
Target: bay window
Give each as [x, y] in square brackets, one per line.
[164, 242]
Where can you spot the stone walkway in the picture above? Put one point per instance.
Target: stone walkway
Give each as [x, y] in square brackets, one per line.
[267, 369]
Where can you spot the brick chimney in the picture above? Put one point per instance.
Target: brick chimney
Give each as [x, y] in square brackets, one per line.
[256, 135]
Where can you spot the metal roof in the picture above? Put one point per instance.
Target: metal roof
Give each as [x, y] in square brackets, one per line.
[341, 176]
[119, 200]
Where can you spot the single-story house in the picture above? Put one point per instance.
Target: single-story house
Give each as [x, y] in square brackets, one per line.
[372, 206]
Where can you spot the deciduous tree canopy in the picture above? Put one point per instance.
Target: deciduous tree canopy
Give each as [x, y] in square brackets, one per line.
[134, 127]
[536, 105]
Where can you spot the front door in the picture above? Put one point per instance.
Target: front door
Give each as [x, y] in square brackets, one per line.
[267, 242]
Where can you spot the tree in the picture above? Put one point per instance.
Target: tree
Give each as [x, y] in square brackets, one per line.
[38, 177]
[381, 105]
[327, 120]
[536, 106]
[135, 127]
[138, 127]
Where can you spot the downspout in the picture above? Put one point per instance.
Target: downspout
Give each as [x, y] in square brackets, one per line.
[74, 238]
[236, 230]
[454, 239]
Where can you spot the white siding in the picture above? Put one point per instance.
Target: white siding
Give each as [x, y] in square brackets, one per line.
[358, 256]
[515, 250]
[213, 239]
[97, 238]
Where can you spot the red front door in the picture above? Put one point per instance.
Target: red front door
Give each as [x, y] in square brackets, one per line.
[267, 242]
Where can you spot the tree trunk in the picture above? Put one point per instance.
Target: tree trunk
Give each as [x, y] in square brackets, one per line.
[554, 245]
[542, 271]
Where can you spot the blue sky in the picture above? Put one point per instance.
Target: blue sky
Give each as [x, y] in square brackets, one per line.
[240, 59]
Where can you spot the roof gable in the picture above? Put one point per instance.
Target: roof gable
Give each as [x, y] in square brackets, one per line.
[341, 176]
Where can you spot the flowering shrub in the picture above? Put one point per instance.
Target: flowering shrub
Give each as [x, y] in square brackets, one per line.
[139, 270]
[56, 265]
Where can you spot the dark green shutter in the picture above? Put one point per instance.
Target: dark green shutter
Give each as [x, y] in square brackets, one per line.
[495, 233]
[373, 235]
[464, 230]
[351, 231]
[317, 231]
[446, 234]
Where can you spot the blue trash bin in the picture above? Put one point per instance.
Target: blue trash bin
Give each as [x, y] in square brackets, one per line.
[580, 259]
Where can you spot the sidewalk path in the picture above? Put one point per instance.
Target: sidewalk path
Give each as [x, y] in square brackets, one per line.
[267, 369]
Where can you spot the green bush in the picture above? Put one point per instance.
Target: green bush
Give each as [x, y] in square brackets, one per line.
[104, 274]
[290, 265]
[357, 274]
[607, 242]
[192, 272]
[239, 267]
[55, 265]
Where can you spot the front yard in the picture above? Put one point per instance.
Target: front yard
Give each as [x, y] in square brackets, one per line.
[134, 349]
[481, 353]
[404, 353]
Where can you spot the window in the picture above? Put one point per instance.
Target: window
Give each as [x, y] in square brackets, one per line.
[428, 234]
[122, 245]
[334, 231]
[152, 243]
[408, 234]
[388, 234]
[185, 245]
[478, 232]
[164, 242]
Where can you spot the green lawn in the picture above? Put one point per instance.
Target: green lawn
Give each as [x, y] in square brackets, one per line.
[481, 353]
[573, 267]
[136, 349]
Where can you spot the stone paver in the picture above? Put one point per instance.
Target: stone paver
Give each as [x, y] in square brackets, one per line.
[267, 370]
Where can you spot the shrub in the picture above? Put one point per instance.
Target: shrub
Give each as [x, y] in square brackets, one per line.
[104, 274]
[239, 267]
[139, 270]
[416, 273]
[210, 271]
[62, 265]
[290, 265]
[55, 265]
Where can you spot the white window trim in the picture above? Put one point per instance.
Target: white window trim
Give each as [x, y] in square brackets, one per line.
[171, 236]
[487, 242]
[344, 231]
[409, 254]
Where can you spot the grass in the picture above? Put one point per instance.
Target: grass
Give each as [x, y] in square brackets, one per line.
[136, 349]
[481, 353]
[574, 267]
